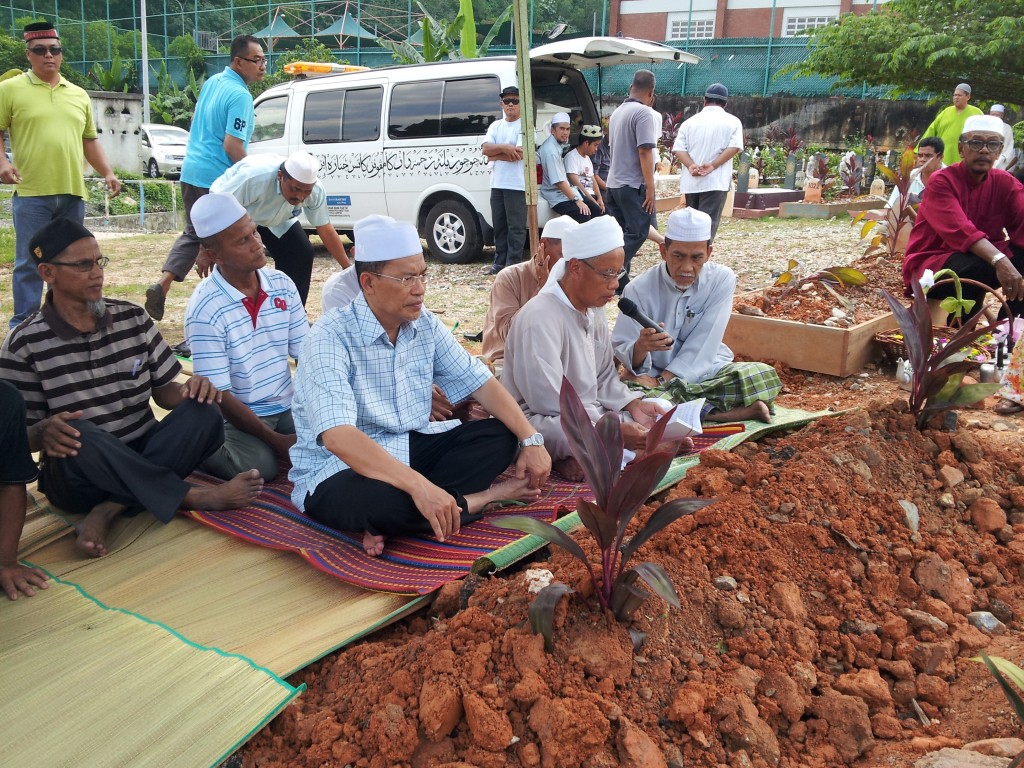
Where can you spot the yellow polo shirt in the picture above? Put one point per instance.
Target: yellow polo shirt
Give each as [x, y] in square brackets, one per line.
[47, 126]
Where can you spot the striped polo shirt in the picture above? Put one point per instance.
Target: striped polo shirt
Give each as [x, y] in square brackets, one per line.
[108, 374]
[243, 355]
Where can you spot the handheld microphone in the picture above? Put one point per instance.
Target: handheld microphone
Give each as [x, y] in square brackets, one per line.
[629, 308]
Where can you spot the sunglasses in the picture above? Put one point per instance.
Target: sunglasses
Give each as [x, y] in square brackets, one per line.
[510, 102]
[42, 50]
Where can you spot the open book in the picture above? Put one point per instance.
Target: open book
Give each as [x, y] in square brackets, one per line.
[685, 421]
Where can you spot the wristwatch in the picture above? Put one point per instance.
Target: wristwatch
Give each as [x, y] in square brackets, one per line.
[535, 439]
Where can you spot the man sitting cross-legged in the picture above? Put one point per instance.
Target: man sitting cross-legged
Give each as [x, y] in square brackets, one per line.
[242, 323]
[563, 332]
[87, 367]
[368, 458]
[691, 297]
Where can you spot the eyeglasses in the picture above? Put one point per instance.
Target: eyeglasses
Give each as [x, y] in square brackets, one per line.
[406, 282]
[42, 50]
[509, 102]
[606, 275]
[85, 265]
[992, 145]
[259, 61]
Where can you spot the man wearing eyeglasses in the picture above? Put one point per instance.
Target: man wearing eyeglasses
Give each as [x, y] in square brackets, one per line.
[563, 332]
[368, 458]
[222, 125]
[52, 133]
[964, 214]
[87, 367]
[503, 148]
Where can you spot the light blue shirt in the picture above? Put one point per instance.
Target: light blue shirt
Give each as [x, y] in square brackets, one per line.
[549, 155]
[352, 375]
[253, 181]
[224, 109]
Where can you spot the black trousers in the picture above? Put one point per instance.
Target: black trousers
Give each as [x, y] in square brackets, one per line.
[463, 460]
[292, 254]
[710, 202]
[570, 209]
[971, 267]
[16, 465]
[147, 473]
[508, 217]
[626, 204]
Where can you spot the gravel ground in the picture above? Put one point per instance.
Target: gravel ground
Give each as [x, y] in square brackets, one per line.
[460, 293]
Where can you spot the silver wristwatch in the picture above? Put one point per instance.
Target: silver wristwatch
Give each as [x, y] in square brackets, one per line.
[535, 439]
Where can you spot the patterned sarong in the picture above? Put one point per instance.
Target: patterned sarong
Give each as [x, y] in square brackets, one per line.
[735, 386]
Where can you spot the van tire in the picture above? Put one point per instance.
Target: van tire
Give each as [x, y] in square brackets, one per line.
[452, 234]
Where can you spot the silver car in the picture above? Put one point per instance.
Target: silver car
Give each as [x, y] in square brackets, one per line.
[161, 149]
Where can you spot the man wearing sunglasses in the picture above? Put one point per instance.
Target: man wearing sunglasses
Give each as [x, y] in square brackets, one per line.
[52, 133]
[87, 367]
[503, 148]
[221, 128]
[971, 220]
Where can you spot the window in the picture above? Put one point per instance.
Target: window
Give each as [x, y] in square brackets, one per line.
[337, 116]
[699, 29]
[270, 115]
[443, 108]
[797, 24]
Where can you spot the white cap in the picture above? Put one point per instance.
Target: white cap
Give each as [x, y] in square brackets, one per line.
[214, 212]
[302, 167]
[586, 241]
[381, 238]
[560, 117]
[556, 228]
[983, 123]
[997, 108]
[688, 225]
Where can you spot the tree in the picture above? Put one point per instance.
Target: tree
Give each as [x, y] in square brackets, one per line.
[925, 45]
[446, 40]
[184, 49]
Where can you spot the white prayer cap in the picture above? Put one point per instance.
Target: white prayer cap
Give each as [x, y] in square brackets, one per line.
[556, 228]
[964, 87]
[997, 108]
[688, 225]
[560, 117]
[592, 239]
[302, 167]
[381, 238]
[983, 123]
[214, 212]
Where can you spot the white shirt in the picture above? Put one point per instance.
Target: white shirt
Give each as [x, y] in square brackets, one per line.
[695, 319]
[506, 174]
[704, 137]
[1009, 150]
[340, 289]
[582, 167]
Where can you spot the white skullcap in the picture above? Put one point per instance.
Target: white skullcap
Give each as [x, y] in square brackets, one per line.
[214, 212]
[381, 238]
[302, 167]
[587, 241]
[688, 225]
[983, 123]
[560, 117]
[964, 87]
[556, 228]
[997, 108]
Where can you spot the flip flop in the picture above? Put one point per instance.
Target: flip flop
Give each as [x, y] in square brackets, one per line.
[1007, 407]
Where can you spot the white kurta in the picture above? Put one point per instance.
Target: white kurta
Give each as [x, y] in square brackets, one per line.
[695, 318]
[704, 137]
[550, 339]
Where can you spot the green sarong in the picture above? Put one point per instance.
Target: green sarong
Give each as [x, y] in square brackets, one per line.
[735, 386]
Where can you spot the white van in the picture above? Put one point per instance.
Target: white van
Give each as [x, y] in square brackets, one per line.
[404, 141]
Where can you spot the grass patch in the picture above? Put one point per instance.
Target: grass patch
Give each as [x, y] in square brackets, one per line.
[6, 245]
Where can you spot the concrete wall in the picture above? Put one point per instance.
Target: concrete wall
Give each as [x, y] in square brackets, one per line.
[118, 117]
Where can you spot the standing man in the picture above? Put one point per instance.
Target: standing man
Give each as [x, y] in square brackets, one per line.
[949, 123]
[503, 147]
[705, 145]
[52, 134]
[564, 199]
[631, 138]
[221, 128]
[1008, 158]
[579, 168]
[275, 191]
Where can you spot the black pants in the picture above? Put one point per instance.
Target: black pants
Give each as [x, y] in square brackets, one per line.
[626, 204]
[292, 254]
[710, 202]
[16, 465]
[969, 266]
[147, 473]
[463, 460]
[570, 209]
[508, 217]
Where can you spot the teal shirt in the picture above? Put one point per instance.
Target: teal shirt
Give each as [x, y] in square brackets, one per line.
[224, 109]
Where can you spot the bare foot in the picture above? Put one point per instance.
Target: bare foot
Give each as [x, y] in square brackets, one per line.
[374, 545]
[92, 530]
[570, 469]
[239, 490]
[514, 490]
[758, 411]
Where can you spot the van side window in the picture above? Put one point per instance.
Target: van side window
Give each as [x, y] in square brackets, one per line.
[270, 116]
[342, 115]
[443, 108]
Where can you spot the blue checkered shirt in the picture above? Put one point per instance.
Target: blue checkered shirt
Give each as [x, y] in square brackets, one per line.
[352, 375]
